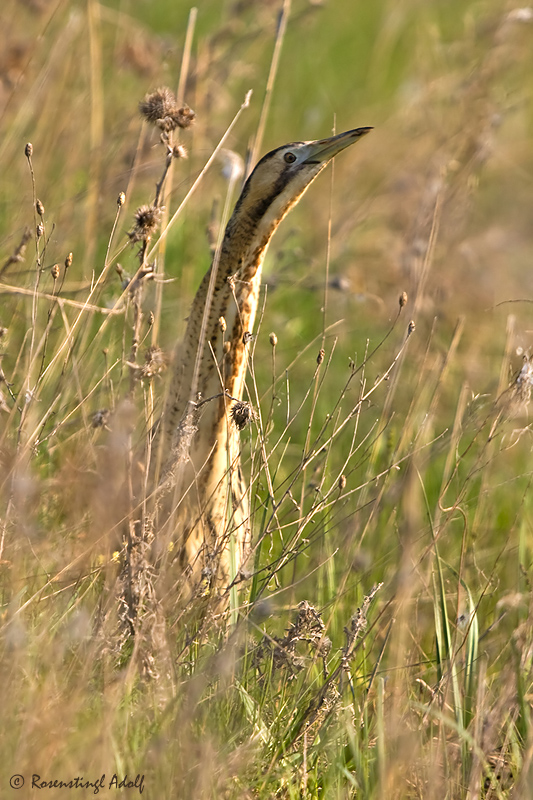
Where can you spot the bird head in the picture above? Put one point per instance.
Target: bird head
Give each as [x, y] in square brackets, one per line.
[281, 177]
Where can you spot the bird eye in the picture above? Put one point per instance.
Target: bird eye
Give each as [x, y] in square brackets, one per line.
[290, 158]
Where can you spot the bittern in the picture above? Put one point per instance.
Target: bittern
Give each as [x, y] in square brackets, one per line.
[198, 441]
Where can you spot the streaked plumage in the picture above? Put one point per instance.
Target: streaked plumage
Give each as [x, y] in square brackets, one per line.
[211, 502]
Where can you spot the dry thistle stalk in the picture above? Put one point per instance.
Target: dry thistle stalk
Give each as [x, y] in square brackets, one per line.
[358, 623]
[308, 628]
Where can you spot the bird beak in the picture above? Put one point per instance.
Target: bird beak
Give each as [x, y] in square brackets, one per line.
[324, 149]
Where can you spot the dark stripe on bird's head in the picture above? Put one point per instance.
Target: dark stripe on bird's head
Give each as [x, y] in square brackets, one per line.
[257, 211]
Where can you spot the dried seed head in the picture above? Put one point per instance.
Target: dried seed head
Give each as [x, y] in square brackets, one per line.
[403, 299]
[39, 230]
[28, 150]
[320, 356]
[39, 208]
[155, 362]
[241, 413]
[184, 117]
[411, 327]
[247, 337]
[100, 418]
[68, 261]
[121, 199]
[342, 482]
[222, 324]
[55, 272]
[151, 318]
[147, 220]
[273, 339]
[179, 151]
[226, 348]
[158, 105]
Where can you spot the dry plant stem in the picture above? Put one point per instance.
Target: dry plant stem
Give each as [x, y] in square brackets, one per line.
[19, 253]
[317, 383]
[6, 288]
[38, 234]
[198, 180]
[160, 261]
[263, 468]
[214, 270]
[68, 342]
[270, 522]
[136, 301]
[82, 343]
[282, 27]
[96, 127]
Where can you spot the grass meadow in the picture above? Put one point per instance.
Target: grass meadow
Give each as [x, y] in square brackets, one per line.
[381, 645]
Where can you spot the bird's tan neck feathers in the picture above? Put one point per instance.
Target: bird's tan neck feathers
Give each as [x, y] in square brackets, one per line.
[235, 295]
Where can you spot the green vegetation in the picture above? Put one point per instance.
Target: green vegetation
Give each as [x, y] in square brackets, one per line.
[381, 646]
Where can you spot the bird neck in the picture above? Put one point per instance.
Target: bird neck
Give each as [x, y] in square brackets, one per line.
[235, 295]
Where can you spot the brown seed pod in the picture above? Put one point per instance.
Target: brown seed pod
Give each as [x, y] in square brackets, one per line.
[158, 105]
[241, 413]
[147, 221]
[179, 151]
[184, 117]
